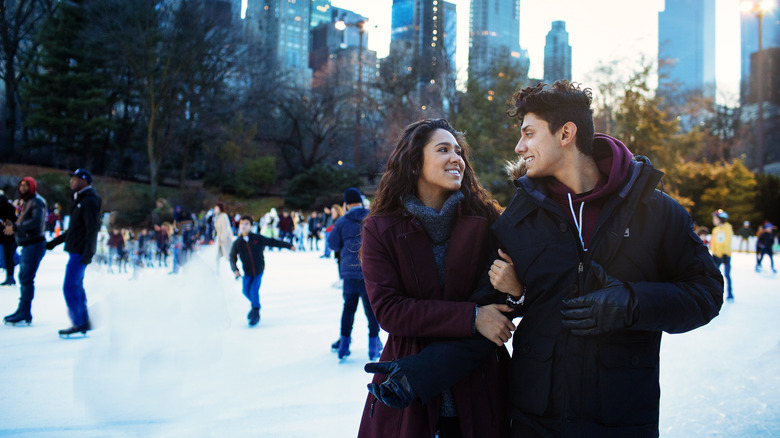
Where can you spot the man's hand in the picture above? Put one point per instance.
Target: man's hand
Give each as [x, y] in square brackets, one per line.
[503, 276]
[494, 325]
[292, 248]
[237, 274]
[395, 391]
[611, 308]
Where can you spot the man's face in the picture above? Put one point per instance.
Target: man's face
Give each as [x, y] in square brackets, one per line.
[244, 227]
[23, 188]
[76, 183]
[540, 148]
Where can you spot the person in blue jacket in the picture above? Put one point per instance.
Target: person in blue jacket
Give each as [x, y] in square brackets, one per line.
[249, 248]
[607, 263]
[345, 238]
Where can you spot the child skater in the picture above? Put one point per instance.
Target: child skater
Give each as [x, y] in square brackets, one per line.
[249, 247]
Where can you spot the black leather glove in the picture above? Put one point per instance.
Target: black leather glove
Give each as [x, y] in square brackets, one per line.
[86, 259]
[611, 308]
[396, 391]
[50, 245]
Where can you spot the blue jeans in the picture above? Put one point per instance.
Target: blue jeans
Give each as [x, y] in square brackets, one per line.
[327, 247]
[726, 262]
[354, 290]
[73, 288]
[252, 289]
[28, 267]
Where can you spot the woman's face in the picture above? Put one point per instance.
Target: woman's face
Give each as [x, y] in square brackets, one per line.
[442, 168]
[216, 209]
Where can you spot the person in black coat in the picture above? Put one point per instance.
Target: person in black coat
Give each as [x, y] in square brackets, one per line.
[249, 248]
[607, 263]
[81, 243]
[28, 230]
[7, 213]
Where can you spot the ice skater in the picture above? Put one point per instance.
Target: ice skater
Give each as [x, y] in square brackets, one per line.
[28, 230]
[766, 238]
[720, 246]
[249, 248]
[80, 242]
[345, 237]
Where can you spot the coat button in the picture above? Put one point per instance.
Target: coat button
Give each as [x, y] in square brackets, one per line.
[634, 360]
[562, 227]
[526, 349]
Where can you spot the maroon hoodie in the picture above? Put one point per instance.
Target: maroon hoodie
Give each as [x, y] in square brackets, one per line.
[583, 209]
[32, 185]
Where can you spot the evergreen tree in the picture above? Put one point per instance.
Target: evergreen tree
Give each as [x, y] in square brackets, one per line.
[65, 99]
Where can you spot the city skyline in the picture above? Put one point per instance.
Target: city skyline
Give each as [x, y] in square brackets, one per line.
[617, 38]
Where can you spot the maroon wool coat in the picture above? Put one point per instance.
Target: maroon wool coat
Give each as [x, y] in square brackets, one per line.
[403, 287]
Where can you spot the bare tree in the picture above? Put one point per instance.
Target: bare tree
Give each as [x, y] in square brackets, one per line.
[19, 20]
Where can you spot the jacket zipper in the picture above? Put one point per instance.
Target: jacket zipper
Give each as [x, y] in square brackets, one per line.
[251, 259]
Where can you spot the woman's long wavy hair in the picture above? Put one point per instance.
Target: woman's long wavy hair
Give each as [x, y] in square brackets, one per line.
[405, 165]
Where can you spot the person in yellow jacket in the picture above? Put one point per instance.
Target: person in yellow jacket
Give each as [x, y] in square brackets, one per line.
[721, 246]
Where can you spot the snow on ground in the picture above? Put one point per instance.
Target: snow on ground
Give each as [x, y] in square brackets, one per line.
[173, 356]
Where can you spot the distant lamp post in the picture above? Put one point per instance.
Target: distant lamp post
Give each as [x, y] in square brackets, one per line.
[759, 8]
[360, 26]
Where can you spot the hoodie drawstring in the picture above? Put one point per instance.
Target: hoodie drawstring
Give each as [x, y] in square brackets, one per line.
[577, 223]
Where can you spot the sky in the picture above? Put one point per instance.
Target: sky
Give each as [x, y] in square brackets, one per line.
[602, 31]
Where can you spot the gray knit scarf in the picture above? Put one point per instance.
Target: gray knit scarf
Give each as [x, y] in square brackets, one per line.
[437, 224]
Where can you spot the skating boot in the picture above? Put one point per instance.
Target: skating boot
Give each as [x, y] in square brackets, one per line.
[19, 316]
[254, 316]
[334, 347]
[10, 282]
[374, 348]
[83, 329]
[344, 347]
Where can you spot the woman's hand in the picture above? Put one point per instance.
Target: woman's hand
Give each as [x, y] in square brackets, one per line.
[503, 276]
[493, 324]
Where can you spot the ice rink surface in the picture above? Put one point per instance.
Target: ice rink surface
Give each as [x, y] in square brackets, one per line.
[173, 356]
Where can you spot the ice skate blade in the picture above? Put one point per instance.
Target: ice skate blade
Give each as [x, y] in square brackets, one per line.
[76, 335]
[25, 323]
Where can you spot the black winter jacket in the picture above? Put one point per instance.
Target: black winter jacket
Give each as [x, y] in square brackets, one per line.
[591, 386]
[251, 253]
[31, 225]
[81, 235]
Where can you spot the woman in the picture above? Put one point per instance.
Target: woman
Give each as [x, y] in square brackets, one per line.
[223, 232]
[424, 247]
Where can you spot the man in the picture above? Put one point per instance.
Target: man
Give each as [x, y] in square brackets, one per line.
[608, 263]
[745, 233]
[249, 248]
[7, 213]
[721, 246]
[80, 242]
[345, 237]
[28, 231]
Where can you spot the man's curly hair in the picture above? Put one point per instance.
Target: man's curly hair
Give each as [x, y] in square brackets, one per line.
[557, 104]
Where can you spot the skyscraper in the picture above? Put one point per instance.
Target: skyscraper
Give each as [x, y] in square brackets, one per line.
[686, 46]
[770, 38]
[423, 33]
[557, 53]
[282, 27]
[494, 36]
